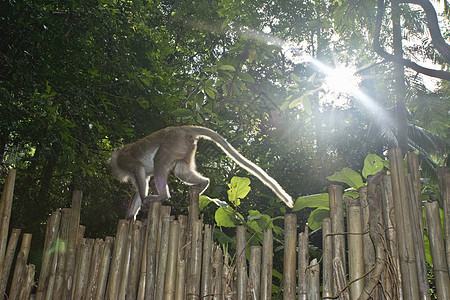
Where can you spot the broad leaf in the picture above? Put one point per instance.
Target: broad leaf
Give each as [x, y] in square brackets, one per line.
[372, 164]
[316, 217]
[239, 188]
[349, 177]
[312, 201]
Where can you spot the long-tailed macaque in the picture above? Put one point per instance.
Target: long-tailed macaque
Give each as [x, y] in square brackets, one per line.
[173, 148]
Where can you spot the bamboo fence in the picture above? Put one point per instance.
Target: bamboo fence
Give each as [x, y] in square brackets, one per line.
[377, 254]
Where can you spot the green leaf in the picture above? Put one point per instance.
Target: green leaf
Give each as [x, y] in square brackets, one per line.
[372, 164]
[221, 237]
[239, 188]
[227, 68]
[203, 202]
[182, 112]
[318, 200]
[210, 91]
[223, 218]
[259, 221]
[347, 176]
[246, 77]
[316, 217]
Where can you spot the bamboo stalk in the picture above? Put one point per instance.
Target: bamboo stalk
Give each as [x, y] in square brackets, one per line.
[422, 273]
[314, 280]
[180, 291]
[194, 194]
[8, 259]
[136, 257]
[337, 225]
[267, 264]
[340, 282]
[62, 253]
[81, 283]
[355, 243]
[117, 260]
[163, 254]
[153, 219]
[94, 269]
[50, 241]
[217, 273]
[206, 282]
[172, 259]
[327, 259]
[5, 212]
[72, 243]
[25, 291]
[391, 238]
[143, 267]
[444, 186]
[19, 276]
[303, 264]
[195, 262]
[125, 263]
[436, 238]
[20, 266]
[255, 271]
[104, 268]
[290, 262]
[403, 221]
[368, 248]
[241, 262]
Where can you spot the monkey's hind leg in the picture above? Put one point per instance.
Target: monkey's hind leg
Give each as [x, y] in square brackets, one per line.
[187, 173]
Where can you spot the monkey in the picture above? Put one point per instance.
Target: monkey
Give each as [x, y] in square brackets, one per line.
[173, 149]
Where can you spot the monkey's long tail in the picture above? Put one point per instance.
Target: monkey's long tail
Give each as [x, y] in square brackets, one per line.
[244, 163]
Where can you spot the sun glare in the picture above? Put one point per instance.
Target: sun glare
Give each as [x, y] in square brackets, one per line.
[342, 80]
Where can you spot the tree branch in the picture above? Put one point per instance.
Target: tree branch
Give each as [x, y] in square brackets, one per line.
[406, 62]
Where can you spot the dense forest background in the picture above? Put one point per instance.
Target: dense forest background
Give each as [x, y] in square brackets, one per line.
[80, 78]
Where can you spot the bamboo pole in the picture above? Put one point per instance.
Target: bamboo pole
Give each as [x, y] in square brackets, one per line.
[327, 259]
[436, 238]
[194, 194]
[25, 291]
[206, 283]
[117, 260]
[135, 259]
[403, 222]
[444, 185]
[50, 241]
[195, 262]
[125, 263]
[83, 265]
[163, 254]
[241, 262]
[180, 290]
[303, 264]
[94, 269]
[368, 248]
[314, 280]
[255, 271]
[20, 266]
[5, 212]
[72, 243]
[417, 223]
[267, 264]
[340, 282]
[217, 273]
[153, 219]
[391, 233]
[172, 259]
[355, 244]
[143, 266]
[62, 253]
[290, 261]
[104, 268]
[8, 259]
[337, 225]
